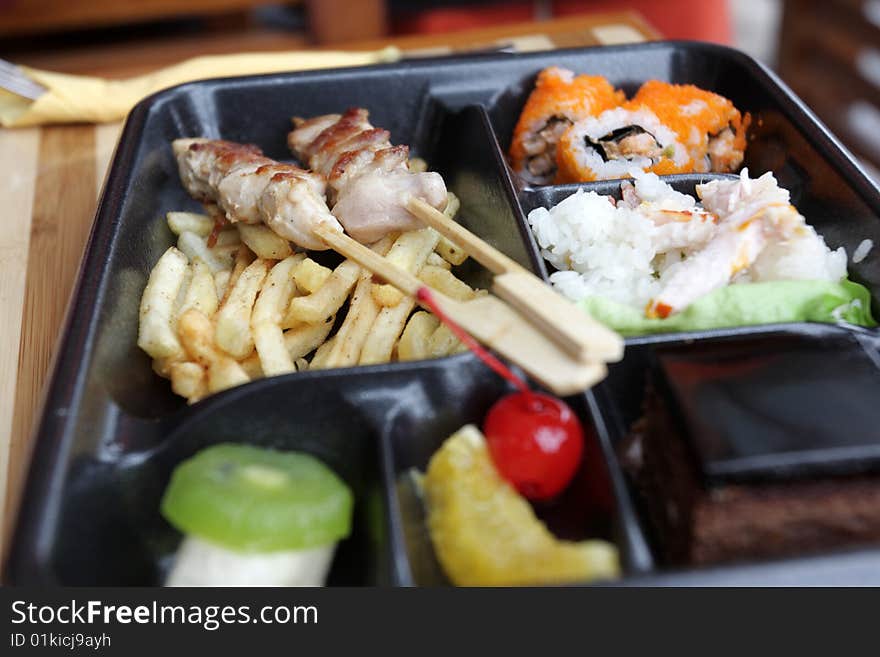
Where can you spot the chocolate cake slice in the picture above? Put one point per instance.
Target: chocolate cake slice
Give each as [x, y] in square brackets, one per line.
[760, 448]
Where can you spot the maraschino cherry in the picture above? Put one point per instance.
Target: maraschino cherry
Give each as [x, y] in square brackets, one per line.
[535, 440]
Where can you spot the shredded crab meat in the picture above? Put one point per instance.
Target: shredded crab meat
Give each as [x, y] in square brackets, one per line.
[754, 214]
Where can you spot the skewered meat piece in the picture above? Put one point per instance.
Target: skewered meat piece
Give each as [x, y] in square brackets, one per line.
[251, 188]
[368, 178]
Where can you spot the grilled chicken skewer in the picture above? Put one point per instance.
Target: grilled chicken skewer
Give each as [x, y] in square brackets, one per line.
[251, 188]
[368, 179]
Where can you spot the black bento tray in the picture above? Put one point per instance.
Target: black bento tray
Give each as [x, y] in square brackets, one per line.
[111, 431]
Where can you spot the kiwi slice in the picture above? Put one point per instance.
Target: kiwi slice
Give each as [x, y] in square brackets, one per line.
[252, 499]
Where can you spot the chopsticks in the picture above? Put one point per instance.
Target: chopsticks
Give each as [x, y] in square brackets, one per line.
[496, 324]
[574, 330]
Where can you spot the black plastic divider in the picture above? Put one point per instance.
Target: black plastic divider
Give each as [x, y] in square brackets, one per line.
[472, 164]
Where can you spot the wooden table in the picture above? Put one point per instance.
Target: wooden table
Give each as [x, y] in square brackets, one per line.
[50, 179]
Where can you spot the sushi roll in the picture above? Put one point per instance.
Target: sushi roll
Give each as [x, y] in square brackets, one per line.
[710, 127]
[664, 129]
[617, 141]
[559, 99]
[255, 517]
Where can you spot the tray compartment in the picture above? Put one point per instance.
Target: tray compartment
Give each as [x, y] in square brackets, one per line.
[103, 526]
[619, 401]
[785, 137]
[596, 504]
[861, 272]
[457, 144]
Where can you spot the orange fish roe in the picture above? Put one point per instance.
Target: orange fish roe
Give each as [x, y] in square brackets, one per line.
[706, 123]
[667, 166]
[562, 95]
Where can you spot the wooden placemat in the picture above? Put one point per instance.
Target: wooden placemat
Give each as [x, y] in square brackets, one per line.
[50, 179]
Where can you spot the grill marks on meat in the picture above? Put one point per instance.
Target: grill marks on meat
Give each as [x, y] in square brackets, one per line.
[251, 188]
[368, 177]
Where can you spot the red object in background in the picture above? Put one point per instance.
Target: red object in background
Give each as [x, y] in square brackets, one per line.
[455, 19]
[703, 20]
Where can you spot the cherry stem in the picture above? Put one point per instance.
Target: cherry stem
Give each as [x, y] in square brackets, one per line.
[424, 295]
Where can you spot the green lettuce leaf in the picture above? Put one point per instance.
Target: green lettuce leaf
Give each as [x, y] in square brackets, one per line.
[747, 304]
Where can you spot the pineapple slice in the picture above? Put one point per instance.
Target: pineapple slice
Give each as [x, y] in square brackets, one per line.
[486, 534]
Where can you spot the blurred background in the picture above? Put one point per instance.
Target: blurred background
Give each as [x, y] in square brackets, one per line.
[828, 50]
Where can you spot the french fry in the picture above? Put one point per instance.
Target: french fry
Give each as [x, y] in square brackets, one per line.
[221, 282]
[272, 302]
[383, 335]
[264, 242]
[181, 294]
[318, 306]
[225, 373]
[189, 380]
[276, 291]
[453, 205]
[444, 281]
[233, 323]
[310, 276]
[304, 339]
[190, 222]
[436, 260]
[413, 343]
[196, 334]
[243, 257]
[196, 247]
[302, 365]
[442, 342]
[320, 358]
[409, 253]
[201, 293]
[362, 311]
[251, 366]
[448, 250]
[417, 165]
[227, 237]
[269, 341]
[156, 334]
[460, 348]
[451, 253]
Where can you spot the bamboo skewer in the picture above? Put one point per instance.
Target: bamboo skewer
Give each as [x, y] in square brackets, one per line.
[488, 319]
[574, 330]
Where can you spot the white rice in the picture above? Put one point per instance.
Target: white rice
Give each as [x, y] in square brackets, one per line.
[862, 250]
[626, 252]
